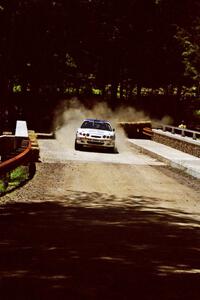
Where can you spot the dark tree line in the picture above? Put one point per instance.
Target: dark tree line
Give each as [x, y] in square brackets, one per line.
[121, 50]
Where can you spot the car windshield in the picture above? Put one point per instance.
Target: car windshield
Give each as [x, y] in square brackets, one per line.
[96, 125]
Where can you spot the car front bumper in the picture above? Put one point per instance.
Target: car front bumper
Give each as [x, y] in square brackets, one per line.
[91, 142]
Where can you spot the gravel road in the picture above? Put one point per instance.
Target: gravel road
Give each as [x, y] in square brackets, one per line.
[127, 173]
[97, 225]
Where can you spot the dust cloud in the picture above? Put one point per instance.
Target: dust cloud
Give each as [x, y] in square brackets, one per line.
[70, 114]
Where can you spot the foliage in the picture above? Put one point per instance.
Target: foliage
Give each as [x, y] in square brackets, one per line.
[14, 178]
[49, 49]
[19, 174]
[190, 54]
[197, 112]
[2, 187]
[17, 88]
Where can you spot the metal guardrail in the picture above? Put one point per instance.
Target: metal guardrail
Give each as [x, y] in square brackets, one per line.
[147, 131]
[16, 160]
[181, 131]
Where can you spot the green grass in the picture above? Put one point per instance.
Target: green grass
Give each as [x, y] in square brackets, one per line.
[14, 179]
[19, 174]
[2, 187]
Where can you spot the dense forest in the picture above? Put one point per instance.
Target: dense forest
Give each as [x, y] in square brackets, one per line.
[140, 53]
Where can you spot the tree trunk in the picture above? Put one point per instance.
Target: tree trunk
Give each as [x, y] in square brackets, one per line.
[113, 93]
[4, 88]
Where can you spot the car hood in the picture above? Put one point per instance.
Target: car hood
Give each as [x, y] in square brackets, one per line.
[96, 132]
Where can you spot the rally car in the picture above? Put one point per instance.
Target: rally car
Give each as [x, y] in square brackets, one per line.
[95, 133]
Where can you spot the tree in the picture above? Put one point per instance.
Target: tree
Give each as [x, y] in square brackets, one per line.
[189, 41]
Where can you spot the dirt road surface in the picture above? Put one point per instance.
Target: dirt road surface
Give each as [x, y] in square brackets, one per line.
[97, 225]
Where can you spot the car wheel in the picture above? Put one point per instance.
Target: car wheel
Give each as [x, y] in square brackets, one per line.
[77, 146]
[112, 150]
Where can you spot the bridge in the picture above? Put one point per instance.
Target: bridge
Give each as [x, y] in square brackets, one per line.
[178, 147]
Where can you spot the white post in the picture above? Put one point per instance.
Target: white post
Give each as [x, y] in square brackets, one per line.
[21, 129]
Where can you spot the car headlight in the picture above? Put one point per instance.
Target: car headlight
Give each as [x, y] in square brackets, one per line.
[108, 136]
[82, 134]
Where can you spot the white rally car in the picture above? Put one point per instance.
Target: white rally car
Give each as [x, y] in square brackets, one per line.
[95, 133]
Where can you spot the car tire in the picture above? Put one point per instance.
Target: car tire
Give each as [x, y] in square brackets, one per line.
[77, 146]
[112, 149]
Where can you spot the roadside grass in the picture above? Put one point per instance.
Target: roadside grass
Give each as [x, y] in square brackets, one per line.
[14, 179]
[2, 186]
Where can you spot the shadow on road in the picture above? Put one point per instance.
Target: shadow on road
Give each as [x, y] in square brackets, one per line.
[50, 250]
[100, 150]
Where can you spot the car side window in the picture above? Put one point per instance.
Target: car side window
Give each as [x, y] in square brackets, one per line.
[106, 126]
[86, 124]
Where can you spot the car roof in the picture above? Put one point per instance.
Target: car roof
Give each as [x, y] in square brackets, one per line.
[96, 120]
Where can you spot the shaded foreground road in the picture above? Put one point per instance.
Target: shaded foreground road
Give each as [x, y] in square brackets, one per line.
[96, 230]
[52, 251]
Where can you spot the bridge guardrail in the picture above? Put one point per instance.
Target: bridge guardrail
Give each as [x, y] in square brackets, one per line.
[182, 131]
[22, 157]
[16, 149]
[147, 131]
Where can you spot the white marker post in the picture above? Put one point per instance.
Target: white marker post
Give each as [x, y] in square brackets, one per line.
[21, 129]
[21, 133]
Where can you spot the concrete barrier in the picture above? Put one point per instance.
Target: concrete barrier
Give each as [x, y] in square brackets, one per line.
[182, 143]
[21, 129]
[135, 129]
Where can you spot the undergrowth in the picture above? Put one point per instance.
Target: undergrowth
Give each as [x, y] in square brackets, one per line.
[13, 179]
